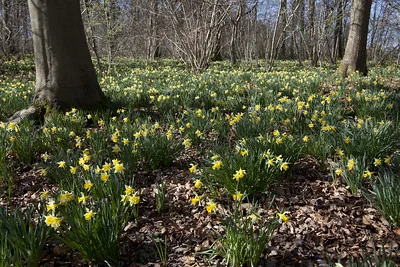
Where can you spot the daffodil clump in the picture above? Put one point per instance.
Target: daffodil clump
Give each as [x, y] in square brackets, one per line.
[357, 172]
[23, 140]
[369, 138]
[199, 197]
[248, 169]
[245, 234]
[91, 217]
[196, 125]
[159, 149]
[384, 195]
[23, 237]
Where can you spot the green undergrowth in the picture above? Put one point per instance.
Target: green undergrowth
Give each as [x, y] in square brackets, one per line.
[248, 129]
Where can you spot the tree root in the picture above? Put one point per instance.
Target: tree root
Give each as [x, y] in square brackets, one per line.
[31, 113]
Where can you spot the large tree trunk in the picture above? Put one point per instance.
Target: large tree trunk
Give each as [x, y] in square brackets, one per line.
[65, 76]
[355, 57]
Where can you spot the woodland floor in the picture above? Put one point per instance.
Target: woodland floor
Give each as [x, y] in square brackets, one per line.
[327, 223]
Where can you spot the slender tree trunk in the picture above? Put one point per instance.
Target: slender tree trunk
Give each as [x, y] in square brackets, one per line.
[311, 33]
[91, 32]
[355, 57]
[152, 45]
[373, 30]
[276, 43]
[338, 33]
[283, 26]
[297, 30]
[217, 56]
[26, 32]
[65, 76]
[8, 28]
[233, 41]
[254, 35]
[109, 7]
[301, 27]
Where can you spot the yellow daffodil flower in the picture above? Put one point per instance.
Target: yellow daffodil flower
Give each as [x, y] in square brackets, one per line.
[388, 160]
[350, 164]
[66, 197]
[88, 184]
[187, 143]
[215, 157]
[198, 133]
[61, 164]
[284, 166]
[195, 200]
[283, 217]
[237, 196]
[128, 190]
[44, 194]
[244, 152]
[45, 157]
[239, 174]
[340, 153]
[88, 215]
[106, 167]
[338, 172]
[134, 200]
[82, 198]
[43, 172]
[367, 174]
[211, 207]
[253, 217]
[116, 149]
[119, 168]
[197, 183]
[217, 165]
[53, 221]
[193, 168]
[51, 206]
[104, 176]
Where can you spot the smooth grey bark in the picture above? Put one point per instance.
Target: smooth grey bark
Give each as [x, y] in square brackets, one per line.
[355, 57]
[65, 76]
